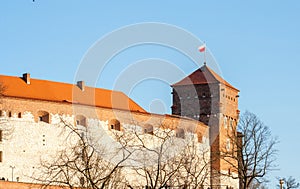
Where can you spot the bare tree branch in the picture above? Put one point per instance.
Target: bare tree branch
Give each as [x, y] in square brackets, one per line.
[253, 150]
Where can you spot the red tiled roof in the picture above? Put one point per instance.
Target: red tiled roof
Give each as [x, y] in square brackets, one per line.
[203, 75]
[64, 92]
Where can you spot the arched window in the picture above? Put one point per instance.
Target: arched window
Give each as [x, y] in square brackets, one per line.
[80, 120]
[179, 133]
[43, 116]
[148, 129]
[114, 124]
[19, 115]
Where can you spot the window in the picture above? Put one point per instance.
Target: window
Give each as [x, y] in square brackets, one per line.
[1, 113]
[200, 138]
[0, 135]
[179, 133]
[1, 159]
[115, 125]
[19, 115]
[81, 120]
[9, 114]
[43, 116]
[231, 124]
[148, 129]
[225, 122]
[228, 144]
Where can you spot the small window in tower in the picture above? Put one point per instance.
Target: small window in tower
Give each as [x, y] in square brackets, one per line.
[230, 123]
[1, 135]
[9, 114]
[225, 122]
[19, 115]
[1, 158]
[228, 144]
[1, 113]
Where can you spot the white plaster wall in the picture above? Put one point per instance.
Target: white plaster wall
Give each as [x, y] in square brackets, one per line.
[229, 181]
[25, 142]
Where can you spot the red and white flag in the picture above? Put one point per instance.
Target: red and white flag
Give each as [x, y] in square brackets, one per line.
[202, 48]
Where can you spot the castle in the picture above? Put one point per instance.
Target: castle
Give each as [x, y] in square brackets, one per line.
[32, 110]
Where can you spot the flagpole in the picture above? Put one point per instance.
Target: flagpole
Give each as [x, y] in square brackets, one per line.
[205, 54]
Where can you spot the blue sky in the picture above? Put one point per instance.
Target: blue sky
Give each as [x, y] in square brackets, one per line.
[256, 45]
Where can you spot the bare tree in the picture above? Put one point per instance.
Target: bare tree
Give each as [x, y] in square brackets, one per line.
[2, 89]
[166, 158]
[196, 167]
[257, 185]
[289, 183]
[143, 156]
[6, 129]
[83, 164]
[253, 153]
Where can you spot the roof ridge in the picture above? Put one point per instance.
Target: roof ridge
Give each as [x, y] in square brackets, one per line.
[200, 76]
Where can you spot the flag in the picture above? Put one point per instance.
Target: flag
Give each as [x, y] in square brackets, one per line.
[202, 48]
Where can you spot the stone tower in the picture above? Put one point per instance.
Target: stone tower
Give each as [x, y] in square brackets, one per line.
[207, 97]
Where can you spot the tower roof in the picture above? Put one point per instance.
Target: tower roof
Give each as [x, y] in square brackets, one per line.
[67, 93]
[203, 75]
